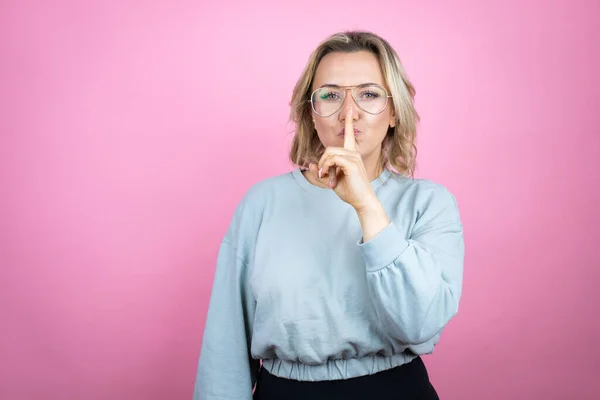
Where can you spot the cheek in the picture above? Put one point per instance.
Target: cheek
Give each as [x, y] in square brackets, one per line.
[325, 130]
[377, 125]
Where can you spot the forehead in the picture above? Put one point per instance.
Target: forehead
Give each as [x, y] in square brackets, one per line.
[348, 69]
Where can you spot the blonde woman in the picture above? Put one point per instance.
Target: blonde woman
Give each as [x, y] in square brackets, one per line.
[340, 274]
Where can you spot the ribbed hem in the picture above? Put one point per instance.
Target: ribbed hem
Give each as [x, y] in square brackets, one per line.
[335, 369]
[384, 248]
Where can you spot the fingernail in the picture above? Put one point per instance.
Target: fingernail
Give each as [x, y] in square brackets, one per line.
[320, 171]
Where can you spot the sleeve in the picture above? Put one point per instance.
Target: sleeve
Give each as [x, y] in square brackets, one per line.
[415, 283]
[226, 370]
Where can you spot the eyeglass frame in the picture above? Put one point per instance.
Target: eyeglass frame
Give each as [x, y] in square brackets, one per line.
[345, 89]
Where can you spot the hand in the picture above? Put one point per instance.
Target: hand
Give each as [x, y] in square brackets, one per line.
[342, 170]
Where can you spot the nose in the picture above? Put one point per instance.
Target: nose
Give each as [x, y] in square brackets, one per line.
[349, 102]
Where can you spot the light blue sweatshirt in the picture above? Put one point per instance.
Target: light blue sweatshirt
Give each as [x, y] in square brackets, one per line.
[296, 287]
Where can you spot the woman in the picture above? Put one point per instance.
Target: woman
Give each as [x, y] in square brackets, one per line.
[341, 273]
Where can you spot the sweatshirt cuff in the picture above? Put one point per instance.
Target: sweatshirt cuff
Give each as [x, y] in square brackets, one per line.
[384, 248]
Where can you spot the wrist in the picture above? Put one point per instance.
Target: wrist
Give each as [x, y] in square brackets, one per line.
[373, 219]
[371, 207]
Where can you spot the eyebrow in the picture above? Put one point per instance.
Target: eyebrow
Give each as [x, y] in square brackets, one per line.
[338, 86]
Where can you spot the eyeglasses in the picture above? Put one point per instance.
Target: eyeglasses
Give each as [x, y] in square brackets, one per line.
[370, 98]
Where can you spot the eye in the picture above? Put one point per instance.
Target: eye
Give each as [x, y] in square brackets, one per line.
[330, 95]
[369, 95]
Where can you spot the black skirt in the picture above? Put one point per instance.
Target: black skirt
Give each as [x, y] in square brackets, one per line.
[405, 382]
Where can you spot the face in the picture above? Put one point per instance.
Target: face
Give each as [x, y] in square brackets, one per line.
[349, 70]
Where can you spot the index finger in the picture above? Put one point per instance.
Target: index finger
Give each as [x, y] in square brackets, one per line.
[349, 138]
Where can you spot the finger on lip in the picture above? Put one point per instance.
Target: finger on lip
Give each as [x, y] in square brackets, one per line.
[350, 137]
[343, 131]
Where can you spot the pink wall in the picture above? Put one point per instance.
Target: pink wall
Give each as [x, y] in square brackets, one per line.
[119, 122]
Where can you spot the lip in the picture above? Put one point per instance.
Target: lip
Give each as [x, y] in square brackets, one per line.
[356, 132]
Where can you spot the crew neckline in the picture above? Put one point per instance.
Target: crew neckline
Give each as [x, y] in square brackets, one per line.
[306, 185]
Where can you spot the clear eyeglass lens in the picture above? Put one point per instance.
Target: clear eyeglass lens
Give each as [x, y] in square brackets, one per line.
[327, 100]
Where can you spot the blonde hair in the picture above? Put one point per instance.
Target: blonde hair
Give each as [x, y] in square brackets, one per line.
[399, 150]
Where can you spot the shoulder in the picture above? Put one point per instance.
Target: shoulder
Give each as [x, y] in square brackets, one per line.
[427, 199]
[421, 189]
[250, 210]
[260, 192]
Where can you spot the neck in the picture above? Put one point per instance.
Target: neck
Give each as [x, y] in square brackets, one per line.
[373, 166]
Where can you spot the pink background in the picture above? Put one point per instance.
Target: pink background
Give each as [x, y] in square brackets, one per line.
[129, 132]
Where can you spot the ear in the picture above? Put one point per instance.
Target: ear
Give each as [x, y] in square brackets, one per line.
[393, 120]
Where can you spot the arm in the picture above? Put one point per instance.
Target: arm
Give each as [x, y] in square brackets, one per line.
[415, 283]
[226, 370]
